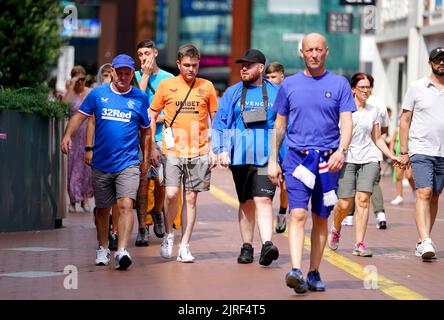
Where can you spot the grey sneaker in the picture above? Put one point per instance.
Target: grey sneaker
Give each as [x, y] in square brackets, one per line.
[361, 250]
[103, 256]
[142, 238]
[281, 223]
[159, 227]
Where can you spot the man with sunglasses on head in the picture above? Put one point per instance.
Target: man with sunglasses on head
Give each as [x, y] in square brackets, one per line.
[121, 113]
[421, 135]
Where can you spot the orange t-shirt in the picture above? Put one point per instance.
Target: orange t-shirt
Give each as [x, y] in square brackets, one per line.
[190, 127]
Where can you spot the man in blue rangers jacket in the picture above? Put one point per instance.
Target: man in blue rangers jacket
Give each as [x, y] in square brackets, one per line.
[121, 110]
[242, 130]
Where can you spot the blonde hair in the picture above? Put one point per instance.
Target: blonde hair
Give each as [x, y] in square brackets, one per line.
[76, 70]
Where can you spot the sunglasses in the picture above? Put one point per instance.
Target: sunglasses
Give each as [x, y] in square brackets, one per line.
[437, 60]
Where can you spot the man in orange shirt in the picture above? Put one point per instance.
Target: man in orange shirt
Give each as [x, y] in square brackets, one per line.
[187, 101]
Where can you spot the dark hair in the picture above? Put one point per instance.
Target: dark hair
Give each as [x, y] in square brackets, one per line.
[361, 76]
[146, 44]
[188, 50]
[275, 67]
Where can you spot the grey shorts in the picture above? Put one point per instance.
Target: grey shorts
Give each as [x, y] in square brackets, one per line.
[428, 172]
[108, 187]
[357, 177]
[158, 172]
[195, 173]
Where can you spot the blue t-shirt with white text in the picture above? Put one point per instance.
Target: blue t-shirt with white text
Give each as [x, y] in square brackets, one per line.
[118, 119]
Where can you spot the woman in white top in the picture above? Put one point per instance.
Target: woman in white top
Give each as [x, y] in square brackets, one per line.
[361, 166]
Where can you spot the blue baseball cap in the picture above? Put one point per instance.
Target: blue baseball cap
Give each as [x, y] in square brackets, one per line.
[123, 60]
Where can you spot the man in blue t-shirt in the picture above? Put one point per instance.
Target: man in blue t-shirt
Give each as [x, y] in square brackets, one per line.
[318, 104]
[149, 77]
[242, 133]
[121, 111]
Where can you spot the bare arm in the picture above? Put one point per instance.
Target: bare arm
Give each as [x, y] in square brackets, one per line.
[155, 154]
[337, 159]
[274, 170]
[404, 126]
[73, 125]
[144, 142]
[379, 141]
[90, 138]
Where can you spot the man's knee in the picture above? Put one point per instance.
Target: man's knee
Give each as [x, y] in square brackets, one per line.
[171, 193]
[262, 201]
[298, 215]
[363, 200]
[424, 194]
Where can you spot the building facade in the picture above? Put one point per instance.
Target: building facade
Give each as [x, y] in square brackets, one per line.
[405, 32]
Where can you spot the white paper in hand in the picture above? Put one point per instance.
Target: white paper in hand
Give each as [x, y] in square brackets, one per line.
[169, 138]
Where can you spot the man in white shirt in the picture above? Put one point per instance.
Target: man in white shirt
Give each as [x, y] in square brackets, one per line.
[422, 144]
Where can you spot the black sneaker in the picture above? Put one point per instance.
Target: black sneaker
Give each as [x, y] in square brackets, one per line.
[246, 254]
[113, 240]
[382, 225]
[159, 228]
[142, 238]
[269, 253]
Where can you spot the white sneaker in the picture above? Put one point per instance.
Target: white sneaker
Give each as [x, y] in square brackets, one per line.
[184, 254]
[103, 256]
[166, 248]
[425, 249]
[72, 207]
[348, 221]
[397, 200]
[122, 259]
[86, 207]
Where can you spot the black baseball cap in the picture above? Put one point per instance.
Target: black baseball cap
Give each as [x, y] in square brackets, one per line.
[436, 52]
[252, 55]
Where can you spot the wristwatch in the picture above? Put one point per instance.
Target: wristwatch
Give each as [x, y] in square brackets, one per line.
[343, 151]
[88, 148]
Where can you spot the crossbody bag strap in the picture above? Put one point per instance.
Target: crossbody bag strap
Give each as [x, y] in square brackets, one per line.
[264, 96]
[181, 105]
[151, 88]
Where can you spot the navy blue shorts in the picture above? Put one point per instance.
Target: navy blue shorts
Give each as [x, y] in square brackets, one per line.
[298, 193]
[428, 172]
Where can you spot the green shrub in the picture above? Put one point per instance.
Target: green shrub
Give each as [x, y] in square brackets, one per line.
[33, 100]
[30, 41]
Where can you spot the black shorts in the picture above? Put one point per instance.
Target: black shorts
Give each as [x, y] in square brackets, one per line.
[252, 181]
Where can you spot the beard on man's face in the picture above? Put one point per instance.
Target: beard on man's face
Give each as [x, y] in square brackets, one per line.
[251, 77]
[438, 71]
